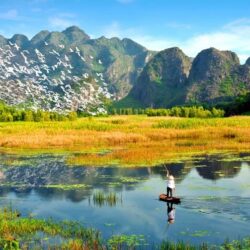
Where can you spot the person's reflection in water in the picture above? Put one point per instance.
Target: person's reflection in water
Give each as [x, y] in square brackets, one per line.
[171, 213]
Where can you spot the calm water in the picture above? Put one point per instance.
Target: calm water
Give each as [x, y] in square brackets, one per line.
[215, 192]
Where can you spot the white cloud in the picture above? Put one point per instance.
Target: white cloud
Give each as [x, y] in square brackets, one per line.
[60, 22]
[9, 15]
[233, 36]
[154, 43]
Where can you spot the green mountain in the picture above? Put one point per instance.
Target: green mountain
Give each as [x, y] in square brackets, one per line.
[68, 70]
[163, 79]
[171, 78]
[214, 77]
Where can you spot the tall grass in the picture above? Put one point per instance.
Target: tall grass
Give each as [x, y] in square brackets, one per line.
[111, 199]
[191, 123]
[131, 140]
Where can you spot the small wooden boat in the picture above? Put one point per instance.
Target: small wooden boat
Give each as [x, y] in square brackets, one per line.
[164, 197]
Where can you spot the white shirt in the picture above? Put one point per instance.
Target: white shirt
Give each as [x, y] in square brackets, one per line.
[171, 184]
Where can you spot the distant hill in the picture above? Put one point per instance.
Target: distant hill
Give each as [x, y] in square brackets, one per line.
[171, 78]
[68, 70]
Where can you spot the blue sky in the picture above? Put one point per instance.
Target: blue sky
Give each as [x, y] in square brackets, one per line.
[192, 25]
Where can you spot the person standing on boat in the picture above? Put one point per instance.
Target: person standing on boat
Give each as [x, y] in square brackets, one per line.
[170, 185]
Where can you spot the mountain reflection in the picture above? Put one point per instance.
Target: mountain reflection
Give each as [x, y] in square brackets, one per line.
[50, 177]
[214, 168]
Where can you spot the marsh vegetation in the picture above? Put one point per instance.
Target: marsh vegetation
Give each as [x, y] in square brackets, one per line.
[101, 198]
[128, 140]
[19, 232]
[86, 170]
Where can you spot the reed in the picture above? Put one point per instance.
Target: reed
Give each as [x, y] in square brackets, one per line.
[111, 199]
[130, 140]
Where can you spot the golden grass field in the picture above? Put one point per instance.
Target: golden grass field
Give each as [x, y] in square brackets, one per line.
[128, 140]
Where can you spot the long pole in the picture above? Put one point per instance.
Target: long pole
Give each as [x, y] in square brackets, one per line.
[166, 169]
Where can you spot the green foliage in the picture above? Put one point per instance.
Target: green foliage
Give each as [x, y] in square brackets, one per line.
[127, 102]
[167, 245]
[72, 116]
[10, 114]
[241, 105]
[16, 231]
[194, 111]
[10, 244]
[226, 87]
[126, 111]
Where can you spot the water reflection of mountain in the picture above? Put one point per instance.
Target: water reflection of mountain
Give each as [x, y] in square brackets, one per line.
[41, 174]
[178, 170]
[211, 167]
[214, 168]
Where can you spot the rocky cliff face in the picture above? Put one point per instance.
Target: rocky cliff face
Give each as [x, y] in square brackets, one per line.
[163, 80]
[67, 70]
[213, 76]
[243, 73]
[213, 65]
[171, 78]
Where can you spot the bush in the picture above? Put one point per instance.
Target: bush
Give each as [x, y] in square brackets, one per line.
[194, 111]
[9, 114]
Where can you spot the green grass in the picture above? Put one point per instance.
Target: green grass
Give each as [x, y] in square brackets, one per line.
[191, 123]
[20, 232]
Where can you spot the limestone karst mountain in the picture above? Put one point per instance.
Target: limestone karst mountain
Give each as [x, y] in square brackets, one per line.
[171, 78]
[163, 79]
[214, 76]
[68, 70]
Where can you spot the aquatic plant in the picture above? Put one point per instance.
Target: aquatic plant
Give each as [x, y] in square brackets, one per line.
[101, 198]
[67, 186]
[126, 241]
[17, 232]
[167, 245]
[236, 244]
